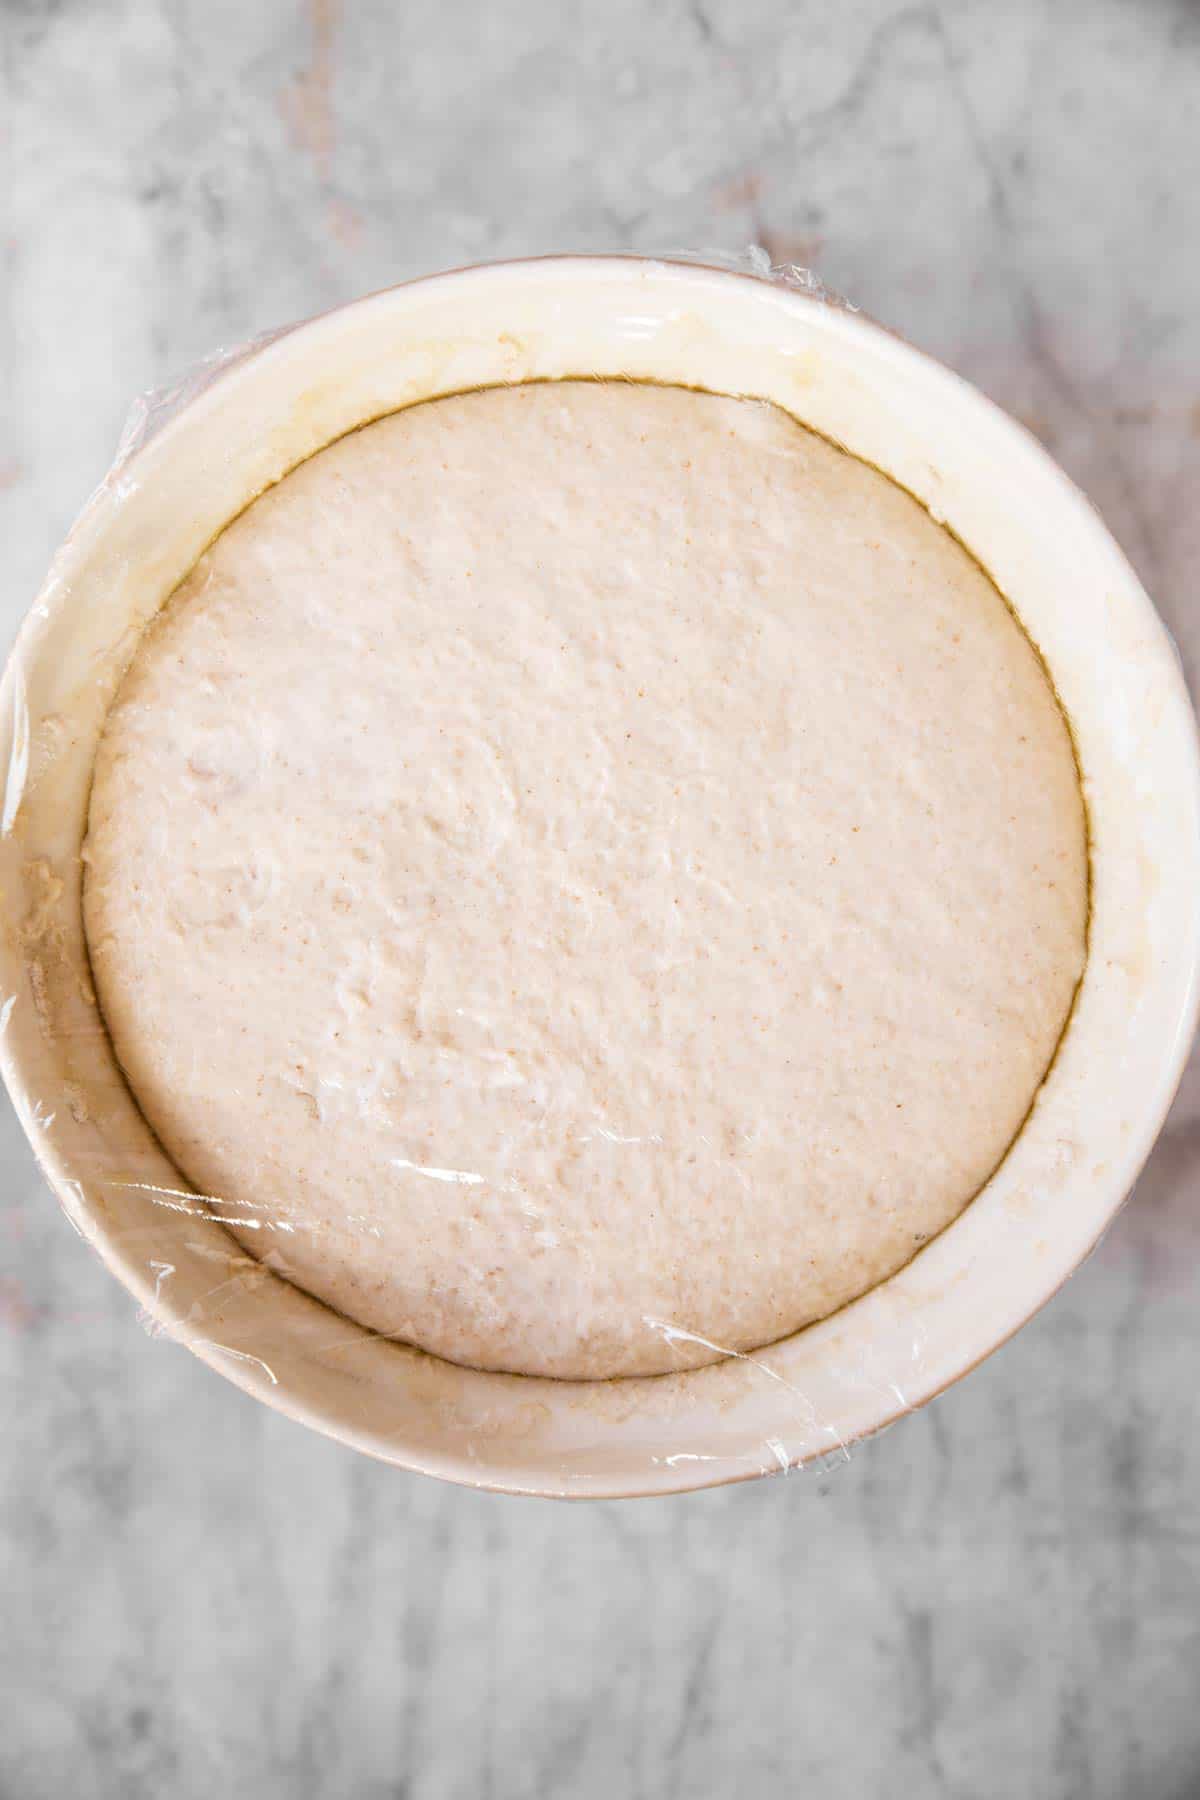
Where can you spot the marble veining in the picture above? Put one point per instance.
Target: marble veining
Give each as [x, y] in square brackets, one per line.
[1001, 1596]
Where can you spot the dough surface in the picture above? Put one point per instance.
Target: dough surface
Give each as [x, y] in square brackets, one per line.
[585, 875]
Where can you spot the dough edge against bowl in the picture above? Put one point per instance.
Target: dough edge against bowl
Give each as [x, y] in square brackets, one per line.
[964, 1294]
[680, 1334]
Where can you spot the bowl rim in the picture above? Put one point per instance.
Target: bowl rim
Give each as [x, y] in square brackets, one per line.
[1118, 1181]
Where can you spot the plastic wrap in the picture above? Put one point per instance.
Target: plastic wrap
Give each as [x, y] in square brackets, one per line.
[191, 458]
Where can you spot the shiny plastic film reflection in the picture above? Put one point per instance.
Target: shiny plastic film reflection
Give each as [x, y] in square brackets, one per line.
[210, 1271]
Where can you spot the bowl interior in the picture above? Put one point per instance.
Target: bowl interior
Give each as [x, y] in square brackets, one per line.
[1096, 1115]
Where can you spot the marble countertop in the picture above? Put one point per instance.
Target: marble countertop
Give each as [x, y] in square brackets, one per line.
[1001, 1597]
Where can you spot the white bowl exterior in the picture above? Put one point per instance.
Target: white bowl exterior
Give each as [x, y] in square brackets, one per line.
[1096, 1115]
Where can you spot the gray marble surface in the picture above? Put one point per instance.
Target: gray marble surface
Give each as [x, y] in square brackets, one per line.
[1002, 1596]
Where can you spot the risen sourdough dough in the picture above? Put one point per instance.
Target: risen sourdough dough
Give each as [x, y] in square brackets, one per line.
[586, 874]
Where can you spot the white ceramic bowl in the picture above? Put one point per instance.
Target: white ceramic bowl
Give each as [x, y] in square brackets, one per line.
[1098, 1111]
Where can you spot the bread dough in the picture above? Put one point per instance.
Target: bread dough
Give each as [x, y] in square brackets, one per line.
[585, 876]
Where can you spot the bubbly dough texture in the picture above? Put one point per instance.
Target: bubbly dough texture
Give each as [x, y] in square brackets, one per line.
[586, 874]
